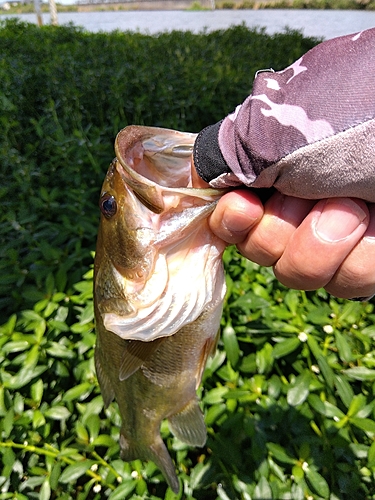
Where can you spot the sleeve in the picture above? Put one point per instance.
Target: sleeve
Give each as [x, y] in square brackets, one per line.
[308, 130]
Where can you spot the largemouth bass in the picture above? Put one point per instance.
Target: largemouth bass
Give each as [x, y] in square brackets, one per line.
[159, 290]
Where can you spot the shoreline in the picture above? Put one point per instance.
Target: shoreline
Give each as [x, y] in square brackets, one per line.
[196, 5]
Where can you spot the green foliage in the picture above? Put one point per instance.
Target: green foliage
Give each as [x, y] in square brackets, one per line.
[288, 397]
[64, 96]
[288, 401]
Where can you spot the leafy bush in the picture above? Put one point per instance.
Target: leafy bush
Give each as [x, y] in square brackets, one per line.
[288, 401]
[289, 395]
[65, 94]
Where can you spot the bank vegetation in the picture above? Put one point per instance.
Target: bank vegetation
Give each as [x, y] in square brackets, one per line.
[288, 397]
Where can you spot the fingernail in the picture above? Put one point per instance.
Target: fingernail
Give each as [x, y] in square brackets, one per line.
[339, 219]
[238, 224]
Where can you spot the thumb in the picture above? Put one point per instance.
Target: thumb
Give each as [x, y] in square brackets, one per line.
[322, 242]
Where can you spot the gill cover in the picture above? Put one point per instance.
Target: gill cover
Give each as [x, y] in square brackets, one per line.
[184, 267]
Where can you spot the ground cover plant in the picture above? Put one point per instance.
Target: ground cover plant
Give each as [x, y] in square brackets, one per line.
[288, 397]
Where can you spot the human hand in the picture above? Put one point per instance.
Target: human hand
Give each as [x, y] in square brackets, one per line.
[310, 244]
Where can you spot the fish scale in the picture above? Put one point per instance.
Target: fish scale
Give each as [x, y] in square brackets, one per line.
[158, 304]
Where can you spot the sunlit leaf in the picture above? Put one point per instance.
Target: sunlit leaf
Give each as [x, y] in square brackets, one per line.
[123, 490]
[365, 424]
[263, 490]
[45, 490]
[57, 413]
[371, 455]
[280, 454]
[360, 373]
[343, 347]
[317, 482]
[198, 473]
[299, 391]
[357, 404]
[344, 389]
[74, 471]
[264, 358]
[231, 344]
[77, 392]
[285, 347]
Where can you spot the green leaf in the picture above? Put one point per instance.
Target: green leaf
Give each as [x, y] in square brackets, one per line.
[250, 301]
[248, 363]
[60, 326]
[285, 347]
[57, 413]
[332, 411]
[365, 424]
[37, 391]
[358, 402]
[38, 419]
[221, 493]
[104, 440]
[215, 396]
[16, 346]
[82, 433]
[7, 423]
[93, 425]
[317, 482]
[9, 326]
[343, 347]
[74, 471]
[77, 392]
[197, 474]
[45, 491]
[214, 412]
[371, 455]
[298, 393]
[280, 454]
[231, 346]
[264, 358]
[24, 376]
[327, 371]
[123, 490]
[344, 389]
[239, 394]
[360, 373]
[263, 490]
[55, 475]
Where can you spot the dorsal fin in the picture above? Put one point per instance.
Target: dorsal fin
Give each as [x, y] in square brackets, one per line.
[208, 350]
[135, 355]
[188, 425]
[104, 382]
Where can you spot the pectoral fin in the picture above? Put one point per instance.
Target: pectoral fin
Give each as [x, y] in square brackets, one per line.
[104, 382]
[188, 425]
[135, 355]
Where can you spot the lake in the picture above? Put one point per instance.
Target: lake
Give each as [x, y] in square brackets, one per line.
[316, 23]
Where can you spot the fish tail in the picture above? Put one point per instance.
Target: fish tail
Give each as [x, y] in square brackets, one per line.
[157, 452]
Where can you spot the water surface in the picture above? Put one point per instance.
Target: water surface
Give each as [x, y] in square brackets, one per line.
[317, 23]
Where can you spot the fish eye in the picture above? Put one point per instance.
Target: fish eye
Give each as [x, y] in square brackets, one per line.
[108, 206]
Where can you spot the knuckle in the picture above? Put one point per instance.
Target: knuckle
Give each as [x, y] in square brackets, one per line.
[352, 280]
[261, 250]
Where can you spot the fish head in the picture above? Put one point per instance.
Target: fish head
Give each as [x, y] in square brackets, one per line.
[125, 227]
[153, 227]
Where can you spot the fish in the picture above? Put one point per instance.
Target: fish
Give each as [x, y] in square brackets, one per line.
[159, 288]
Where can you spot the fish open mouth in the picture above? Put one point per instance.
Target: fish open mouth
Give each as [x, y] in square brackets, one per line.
[155, 164]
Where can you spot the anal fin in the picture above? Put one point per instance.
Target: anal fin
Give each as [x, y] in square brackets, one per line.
[188, 425]
[135, 355]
